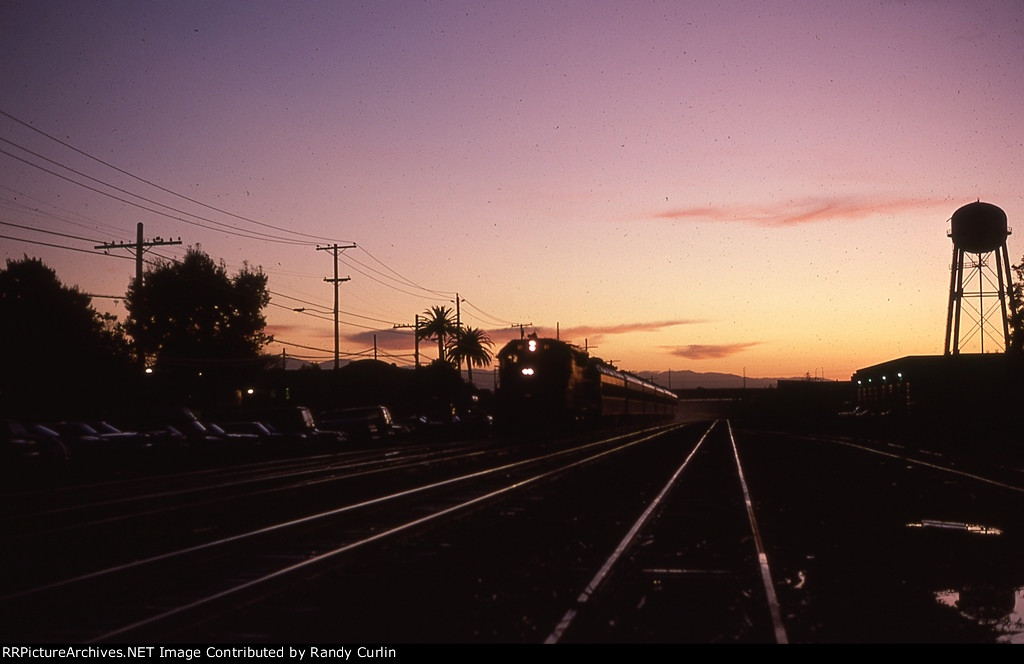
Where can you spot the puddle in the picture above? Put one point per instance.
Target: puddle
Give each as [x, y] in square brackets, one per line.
[999, 609]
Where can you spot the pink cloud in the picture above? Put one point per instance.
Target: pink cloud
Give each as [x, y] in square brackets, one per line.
[624, 328]
[806, 211]
[392, 339]
[712, 351]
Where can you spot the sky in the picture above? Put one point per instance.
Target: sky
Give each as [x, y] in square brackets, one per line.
[756, 188]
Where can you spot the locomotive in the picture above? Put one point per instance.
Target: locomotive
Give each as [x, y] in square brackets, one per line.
[550, 383]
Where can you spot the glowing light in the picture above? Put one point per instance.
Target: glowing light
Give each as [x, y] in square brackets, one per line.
[532, 345]
[527, 371]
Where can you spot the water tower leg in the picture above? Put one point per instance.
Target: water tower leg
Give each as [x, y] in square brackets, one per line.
[1003, 269]
[956, 289]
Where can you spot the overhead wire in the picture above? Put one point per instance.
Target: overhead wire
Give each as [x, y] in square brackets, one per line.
[41, 230]
[237, 231]
[493, 319]
[255, 235]
[76, 218]
[241, 234]
[60, 246]
[156, 186]
[347, 260]
[405, 280]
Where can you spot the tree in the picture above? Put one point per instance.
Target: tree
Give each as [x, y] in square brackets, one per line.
[439, 325]
[192, 313]
[1016, 314]
[56, 349]
[472, 345]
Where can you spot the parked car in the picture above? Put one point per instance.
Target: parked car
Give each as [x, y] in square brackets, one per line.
[29, 448]
[299, 421]
[362, 423]
[268, 439]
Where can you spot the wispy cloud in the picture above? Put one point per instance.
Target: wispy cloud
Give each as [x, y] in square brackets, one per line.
[391, 338]
[624, 328]
[710, 351]
[385, 338]
[805, 211]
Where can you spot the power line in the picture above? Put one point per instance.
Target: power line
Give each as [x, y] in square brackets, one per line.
[57, 246]
[40, 230]
[494, 320]
[401, 278]
[238, 231]
[153, 184]
[241, 233]
[225, 228]
[346, 313]
[212, 221]
[78, 219]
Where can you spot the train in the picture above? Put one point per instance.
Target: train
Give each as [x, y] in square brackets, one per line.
[551, 383]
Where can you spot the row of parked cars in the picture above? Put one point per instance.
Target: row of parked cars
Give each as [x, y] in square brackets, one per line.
[181, 437]
[177, 438]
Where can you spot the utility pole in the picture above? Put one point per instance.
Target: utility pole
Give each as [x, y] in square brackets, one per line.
[139, 248]
[416, 337]
[458, 324]
[334, 248]
[522, 328]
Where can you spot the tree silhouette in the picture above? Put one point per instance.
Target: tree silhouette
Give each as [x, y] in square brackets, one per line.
[193, 314]
[439, 325]
[1015, 315]
[55, 348]
[472, 345]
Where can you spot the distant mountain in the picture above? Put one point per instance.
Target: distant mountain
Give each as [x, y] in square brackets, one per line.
[688, 380]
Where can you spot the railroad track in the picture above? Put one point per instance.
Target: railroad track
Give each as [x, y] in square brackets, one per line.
[691, 568]
[140, 595]
[694, 533]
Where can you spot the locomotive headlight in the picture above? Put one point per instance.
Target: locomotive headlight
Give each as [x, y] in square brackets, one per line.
[532, 345]
[527, 371]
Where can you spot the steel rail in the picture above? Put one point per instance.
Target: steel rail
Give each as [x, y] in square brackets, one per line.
[312, 562]
[584, 597]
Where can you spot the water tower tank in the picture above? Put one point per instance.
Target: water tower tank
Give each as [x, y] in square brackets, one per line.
[979, 227]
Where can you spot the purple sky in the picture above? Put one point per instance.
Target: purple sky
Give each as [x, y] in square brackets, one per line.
[748, 187]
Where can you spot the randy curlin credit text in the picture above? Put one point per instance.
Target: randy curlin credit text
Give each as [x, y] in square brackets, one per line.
[211, 652]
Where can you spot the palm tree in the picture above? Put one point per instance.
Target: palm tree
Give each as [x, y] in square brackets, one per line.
[472, 345]
[439, 325]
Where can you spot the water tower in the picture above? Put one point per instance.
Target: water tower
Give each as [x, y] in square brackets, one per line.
[979, 282]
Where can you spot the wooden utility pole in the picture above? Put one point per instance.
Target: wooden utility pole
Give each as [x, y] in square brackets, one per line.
[522, 328]
[139, 248]
[458, 325]
[334, 248]
[416, 337]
